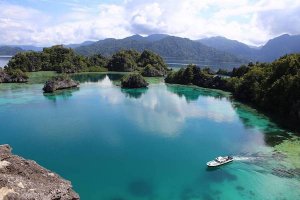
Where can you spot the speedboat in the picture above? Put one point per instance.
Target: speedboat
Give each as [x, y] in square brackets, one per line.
[219, 161]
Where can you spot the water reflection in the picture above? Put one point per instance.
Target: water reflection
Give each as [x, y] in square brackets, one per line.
[88, 77]
[192, 93]
[134, 93]
[60, 94]
[95, 77]
[160, 110]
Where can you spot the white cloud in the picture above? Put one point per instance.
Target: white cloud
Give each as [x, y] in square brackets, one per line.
[243, 20]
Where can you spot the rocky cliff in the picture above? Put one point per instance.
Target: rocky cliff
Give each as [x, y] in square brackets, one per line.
[22, 179]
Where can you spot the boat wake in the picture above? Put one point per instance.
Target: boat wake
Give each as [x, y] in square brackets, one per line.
[243, 158]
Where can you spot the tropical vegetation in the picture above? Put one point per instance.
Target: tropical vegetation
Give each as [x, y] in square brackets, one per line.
[134, 81]
[271, 87]
[65, 60]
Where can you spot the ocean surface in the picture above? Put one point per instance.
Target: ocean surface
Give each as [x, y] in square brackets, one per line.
[176, 63]
[152, 144]
[4, 60]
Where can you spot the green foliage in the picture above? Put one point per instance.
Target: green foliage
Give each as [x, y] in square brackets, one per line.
[124, 61]
[240, 71]
[175, 47]
[150, 71]
[26, 61]
[61, 77]
[153, 59]
[98, 60]
[56, 58]
[65, 60]
[134, 81]
[149, 63]
[193, 75]
[17, 73]
[273, 87]
[223, 72]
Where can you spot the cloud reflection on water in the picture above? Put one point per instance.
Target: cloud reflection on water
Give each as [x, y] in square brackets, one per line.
[162, 111]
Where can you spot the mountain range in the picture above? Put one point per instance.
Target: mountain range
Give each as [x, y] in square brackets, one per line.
[272, 50]
[213, 49]
[164, 45]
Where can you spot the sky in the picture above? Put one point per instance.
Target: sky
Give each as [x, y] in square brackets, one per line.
[49, 22]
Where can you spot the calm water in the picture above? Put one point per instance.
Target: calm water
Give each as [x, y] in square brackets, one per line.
[4, 60]
[179, 63]
[150, 144]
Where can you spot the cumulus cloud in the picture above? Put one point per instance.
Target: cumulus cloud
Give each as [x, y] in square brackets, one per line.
[242, 20]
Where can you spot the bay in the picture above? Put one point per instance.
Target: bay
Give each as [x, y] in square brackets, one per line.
[114, 143]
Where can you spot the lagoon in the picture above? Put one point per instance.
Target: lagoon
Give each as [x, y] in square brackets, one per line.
[150, 143]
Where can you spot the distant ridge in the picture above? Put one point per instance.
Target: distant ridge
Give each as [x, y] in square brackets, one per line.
[164, 45]
[9, 50]
[213, 49]
[272, 50]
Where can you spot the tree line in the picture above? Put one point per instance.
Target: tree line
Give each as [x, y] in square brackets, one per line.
[65, 60]
[271, 87]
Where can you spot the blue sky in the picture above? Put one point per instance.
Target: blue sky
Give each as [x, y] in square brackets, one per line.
[48, 22]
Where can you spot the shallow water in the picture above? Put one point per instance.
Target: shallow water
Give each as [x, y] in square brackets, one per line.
[150, 143]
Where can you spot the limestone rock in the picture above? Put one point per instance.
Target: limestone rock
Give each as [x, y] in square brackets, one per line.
[22, 179]
[59, 83]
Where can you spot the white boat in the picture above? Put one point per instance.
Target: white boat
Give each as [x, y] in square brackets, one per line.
[219, 161]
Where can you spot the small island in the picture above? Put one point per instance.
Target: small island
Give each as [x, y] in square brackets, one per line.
[59, 83]
[134, 81]
[65, 60]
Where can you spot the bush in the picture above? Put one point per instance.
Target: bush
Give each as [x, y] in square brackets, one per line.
[133, 81]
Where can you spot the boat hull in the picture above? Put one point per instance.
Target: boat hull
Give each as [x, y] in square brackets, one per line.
[217, 164]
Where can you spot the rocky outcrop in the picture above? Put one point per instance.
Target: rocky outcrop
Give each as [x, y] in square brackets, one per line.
[16, 76]
[133, 81]
[151, 71]
[59, 83]
[22, 179]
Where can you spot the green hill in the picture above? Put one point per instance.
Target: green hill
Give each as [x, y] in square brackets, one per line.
[165, 46]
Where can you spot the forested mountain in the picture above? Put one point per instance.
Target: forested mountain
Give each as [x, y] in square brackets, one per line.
[78, 45]
[277, 47]
[272, 50]
[8, 50]
[231, 46]
[164, 45]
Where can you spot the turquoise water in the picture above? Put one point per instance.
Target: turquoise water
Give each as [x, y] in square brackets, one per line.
[116, 144]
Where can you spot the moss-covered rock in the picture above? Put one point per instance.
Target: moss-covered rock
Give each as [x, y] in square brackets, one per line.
[134, 81]
[59, 83]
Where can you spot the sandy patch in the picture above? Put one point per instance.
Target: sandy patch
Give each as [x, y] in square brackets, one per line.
[4, 164]
[5, 191]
